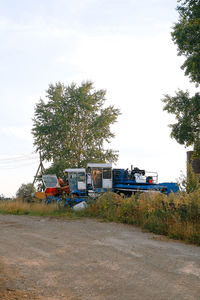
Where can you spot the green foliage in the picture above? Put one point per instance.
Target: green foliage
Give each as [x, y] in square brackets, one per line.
[186, 35]
[192, 180]
[25, 191]
[176, 215]
[73, 126]
[57, 168]
[186, 109]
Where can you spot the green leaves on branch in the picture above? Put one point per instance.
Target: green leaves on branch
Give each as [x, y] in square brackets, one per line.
[186, 35]
[25, 191]
[186, 110]
[189, 183]
[71, 128]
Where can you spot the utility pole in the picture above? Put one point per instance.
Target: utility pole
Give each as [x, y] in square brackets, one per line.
[40, 169]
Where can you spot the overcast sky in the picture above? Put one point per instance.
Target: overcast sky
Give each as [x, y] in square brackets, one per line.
[123, 46]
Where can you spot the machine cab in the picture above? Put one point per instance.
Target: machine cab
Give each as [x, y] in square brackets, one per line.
[51, 184]
[77, 180]
[99, 177]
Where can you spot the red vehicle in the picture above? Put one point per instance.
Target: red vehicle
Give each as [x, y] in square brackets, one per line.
[54, 186]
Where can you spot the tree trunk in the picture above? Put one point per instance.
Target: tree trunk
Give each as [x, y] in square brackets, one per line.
[195, 162]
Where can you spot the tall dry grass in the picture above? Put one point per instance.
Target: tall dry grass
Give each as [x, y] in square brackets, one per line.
[176, 215]
[19, 207]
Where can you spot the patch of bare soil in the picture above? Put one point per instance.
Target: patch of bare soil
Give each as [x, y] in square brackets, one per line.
[7, 290]
[57, 259]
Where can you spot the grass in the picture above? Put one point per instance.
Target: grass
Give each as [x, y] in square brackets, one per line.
[18, 207]
[176, 216]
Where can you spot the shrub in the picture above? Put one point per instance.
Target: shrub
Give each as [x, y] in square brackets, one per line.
[189, 183]
[176, 215]
[25, 191]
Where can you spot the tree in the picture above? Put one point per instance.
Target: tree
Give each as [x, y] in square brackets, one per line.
[71, 128]
[186, 35]
[189, 183]
[2, 197]
[187, 113]
[25, 191]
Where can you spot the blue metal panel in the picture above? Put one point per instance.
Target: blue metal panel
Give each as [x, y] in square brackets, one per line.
[79, 192]
[171, 186]
[165, 188]
[73, 201]
[101, 190]
[122, 182]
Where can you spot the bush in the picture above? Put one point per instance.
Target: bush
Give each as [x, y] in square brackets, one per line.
[189, 183]
[176, 215]
[25, 191]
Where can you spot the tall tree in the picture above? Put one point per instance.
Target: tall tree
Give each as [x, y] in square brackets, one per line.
[186, 35]
[186, 108]
[71, 128]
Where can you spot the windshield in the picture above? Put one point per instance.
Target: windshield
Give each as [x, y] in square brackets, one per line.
[74, 178]
[72, 181]
[50, 181]
[81, 177]
[107, 173]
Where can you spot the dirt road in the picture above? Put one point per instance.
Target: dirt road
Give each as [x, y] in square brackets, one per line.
[48, 258]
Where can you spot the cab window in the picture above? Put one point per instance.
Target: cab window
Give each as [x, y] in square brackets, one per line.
[107, 173]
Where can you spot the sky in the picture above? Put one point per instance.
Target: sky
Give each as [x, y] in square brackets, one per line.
[122, 46]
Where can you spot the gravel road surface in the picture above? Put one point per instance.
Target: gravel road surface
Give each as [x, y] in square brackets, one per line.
[53, 259]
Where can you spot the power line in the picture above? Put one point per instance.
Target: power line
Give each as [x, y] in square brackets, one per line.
[18, 161]
[7, 167]
[18, 158]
